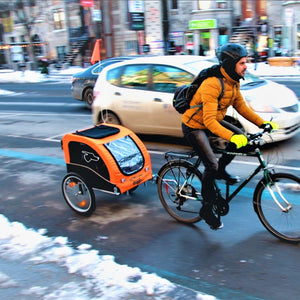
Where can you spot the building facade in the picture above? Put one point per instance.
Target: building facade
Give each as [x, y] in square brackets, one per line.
[66, 30]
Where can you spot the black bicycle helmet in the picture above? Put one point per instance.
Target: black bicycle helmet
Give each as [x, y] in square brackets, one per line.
[229, 55]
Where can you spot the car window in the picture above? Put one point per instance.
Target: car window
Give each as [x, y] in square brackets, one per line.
[112, 76]
[104, 64]
[135, 76]
[251, 81]
[167, 79]
[97, 69]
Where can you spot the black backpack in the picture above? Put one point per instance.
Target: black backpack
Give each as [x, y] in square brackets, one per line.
[184, 94]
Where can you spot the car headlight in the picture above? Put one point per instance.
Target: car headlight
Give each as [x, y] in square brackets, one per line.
[259, 106]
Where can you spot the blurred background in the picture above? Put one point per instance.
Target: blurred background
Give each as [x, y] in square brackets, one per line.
[64, 32]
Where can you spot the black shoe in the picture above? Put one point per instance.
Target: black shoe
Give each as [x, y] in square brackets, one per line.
[227, 177]
[207, 214]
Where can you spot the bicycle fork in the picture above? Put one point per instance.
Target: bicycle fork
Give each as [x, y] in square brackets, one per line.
[278, 190]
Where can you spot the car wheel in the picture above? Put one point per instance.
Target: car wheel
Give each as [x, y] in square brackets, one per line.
[88, 98]
[109, 117]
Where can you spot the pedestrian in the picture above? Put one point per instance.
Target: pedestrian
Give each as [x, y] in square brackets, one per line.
[44, 66]
[200, 123]
[256, 57]
[201, 50]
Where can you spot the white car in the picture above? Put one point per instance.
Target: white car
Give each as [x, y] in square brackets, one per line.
[138, 94]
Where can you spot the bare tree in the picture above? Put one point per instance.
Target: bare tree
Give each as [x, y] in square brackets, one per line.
[26, 13]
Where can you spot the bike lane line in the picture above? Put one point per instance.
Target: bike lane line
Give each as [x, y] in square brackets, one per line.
[33, 157]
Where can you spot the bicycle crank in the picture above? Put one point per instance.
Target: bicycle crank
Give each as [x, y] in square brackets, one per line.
[221, 207]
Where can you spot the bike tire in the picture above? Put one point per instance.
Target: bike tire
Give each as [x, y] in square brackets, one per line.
[283, 225]
[170, 180]
[78, 195]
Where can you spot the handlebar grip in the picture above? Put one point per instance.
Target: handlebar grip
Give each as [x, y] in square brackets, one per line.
[268, 128]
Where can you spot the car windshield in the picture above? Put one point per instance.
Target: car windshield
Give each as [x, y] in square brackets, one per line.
[104, 64]
[251, 80]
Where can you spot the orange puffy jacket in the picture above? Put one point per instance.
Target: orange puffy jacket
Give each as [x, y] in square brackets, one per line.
[210, 116]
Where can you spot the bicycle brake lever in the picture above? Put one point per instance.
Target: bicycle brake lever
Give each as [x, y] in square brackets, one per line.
[256, 142]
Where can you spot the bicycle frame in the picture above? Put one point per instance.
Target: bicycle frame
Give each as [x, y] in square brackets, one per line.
[262, 165]
[229, 196]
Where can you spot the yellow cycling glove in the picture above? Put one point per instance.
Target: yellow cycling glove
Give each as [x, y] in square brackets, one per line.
[239, 140]
[267, 124]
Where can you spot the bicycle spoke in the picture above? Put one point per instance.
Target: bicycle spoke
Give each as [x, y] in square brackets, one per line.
[278, 207]
[178, 188]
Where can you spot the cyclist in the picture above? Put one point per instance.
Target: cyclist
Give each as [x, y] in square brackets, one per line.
[199, 124]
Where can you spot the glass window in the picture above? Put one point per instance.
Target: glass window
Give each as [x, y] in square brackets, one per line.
[298, 36]
[204, 4]
[167, 79]
[222, 4]
[112, 76]
[131, 47]
[126, 154]
[37, 49]
[278, 35]
[174, 4]
[59, 18]
[102, 65]
[135, 76]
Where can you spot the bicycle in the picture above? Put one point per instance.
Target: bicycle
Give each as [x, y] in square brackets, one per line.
[276, 197]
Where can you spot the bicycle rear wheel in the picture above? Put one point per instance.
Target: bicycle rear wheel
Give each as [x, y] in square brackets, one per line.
[278, 206]
[179, 185]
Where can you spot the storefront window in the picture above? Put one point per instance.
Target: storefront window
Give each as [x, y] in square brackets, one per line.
[278, 35]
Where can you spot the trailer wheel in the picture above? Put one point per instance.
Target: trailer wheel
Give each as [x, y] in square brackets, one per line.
[78, 195]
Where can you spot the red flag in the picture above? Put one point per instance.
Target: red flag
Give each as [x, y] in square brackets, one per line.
[96, 56]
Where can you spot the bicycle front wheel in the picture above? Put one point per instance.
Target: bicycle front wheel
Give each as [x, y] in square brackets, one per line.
[278, 206]
[179, 185]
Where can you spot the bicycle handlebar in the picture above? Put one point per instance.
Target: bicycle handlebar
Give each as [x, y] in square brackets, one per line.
[255, 139]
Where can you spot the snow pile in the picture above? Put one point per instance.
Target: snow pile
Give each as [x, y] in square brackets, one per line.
[102, 274]
[22, 77]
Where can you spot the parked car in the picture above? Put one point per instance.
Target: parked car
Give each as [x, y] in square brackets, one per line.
[138, 94]
[83, 82]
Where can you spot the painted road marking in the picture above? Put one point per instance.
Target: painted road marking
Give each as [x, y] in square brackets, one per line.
[33, 157]
[59, 161]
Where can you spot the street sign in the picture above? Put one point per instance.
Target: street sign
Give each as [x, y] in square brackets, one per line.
[203, 24]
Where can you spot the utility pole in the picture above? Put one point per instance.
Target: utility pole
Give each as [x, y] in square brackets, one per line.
[165, 23]
[67, 21]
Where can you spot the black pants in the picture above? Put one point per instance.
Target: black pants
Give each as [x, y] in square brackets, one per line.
[198, 139]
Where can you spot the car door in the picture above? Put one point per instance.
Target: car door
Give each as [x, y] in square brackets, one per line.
[164, 81]
[132, 99]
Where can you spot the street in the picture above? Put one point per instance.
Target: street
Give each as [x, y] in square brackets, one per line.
[241, 261]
